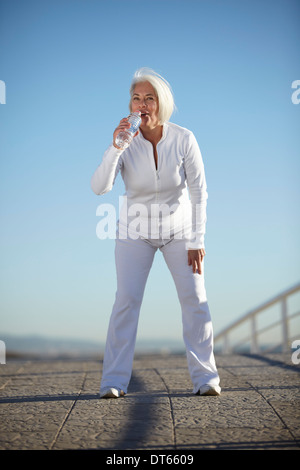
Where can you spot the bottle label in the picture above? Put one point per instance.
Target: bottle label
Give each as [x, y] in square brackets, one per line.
[135, 122]
[133, 128]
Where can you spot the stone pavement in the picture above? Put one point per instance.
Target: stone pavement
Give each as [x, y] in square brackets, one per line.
[55, 405]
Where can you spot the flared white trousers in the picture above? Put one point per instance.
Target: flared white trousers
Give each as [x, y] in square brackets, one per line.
[134, 259]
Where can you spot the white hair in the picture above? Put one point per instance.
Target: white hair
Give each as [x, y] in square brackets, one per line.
[162, 89]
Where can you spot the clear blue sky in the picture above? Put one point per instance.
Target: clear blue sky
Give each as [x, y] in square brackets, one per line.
[67, 66]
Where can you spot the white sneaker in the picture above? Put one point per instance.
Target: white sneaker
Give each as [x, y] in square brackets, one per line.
[111, 392]
[213, 390]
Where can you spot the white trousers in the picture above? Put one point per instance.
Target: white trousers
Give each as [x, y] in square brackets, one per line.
[133, 262]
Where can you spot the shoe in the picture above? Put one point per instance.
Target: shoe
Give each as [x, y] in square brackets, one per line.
[213, 390]
[111, 392]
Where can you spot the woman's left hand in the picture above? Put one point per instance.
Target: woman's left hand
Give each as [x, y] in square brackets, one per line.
[195, 258]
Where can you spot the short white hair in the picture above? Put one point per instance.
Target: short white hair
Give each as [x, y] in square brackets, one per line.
[162, 89]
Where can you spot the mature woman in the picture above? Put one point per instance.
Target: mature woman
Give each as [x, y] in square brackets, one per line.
[165, 186]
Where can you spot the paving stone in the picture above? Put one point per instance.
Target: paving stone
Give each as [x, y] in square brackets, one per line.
[233, 438]
[55, 404]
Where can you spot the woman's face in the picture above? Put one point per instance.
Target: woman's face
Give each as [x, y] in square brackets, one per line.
[145, 100]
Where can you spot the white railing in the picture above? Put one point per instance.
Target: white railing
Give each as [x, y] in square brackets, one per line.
[224, 341]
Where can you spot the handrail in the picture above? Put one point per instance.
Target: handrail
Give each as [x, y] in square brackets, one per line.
[252, 314]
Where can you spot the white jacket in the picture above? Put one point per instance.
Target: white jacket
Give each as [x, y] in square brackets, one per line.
[177, 187]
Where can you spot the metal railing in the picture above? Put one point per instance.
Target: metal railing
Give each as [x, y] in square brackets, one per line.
[253, 330]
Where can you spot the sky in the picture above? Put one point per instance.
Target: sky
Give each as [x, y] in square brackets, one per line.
[67, 67]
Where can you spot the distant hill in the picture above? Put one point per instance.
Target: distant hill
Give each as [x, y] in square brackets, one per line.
[43, 347]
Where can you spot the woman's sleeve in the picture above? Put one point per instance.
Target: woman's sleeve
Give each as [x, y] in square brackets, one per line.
[104, 177]
[195, 175]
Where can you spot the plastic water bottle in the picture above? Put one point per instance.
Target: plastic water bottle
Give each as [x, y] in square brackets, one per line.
[124, 138]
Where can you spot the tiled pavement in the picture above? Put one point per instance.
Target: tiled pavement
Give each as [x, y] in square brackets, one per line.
[55, 405]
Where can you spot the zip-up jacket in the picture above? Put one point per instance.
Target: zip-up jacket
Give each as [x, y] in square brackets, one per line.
[167, 199]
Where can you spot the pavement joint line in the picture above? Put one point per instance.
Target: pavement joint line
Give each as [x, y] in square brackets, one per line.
[264, 398]
[274, 410]
[273, 363]
[10, 379]
[68, 413]
[171, 407]
[259, 408]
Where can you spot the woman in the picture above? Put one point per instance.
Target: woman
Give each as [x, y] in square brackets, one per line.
[160, 168]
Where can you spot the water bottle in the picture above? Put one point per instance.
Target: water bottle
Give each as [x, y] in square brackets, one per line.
[124, 138]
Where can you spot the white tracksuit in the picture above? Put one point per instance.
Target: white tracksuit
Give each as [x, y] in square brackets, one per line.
[165, 209]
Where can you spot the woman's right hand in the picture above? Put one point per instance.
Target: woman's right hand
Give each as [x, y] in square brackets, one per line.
[124, 124]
